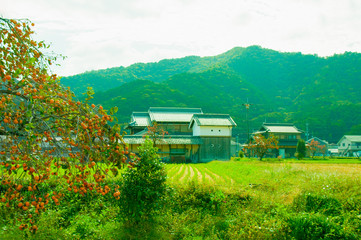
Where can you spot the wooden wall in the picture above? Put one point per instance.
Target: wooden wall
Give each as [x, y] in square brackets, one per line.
[215, 148]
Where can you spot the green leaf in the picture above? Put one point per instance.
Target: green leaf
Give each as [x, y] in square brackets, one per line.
[113, 110]
[17, 72]
[31, 60]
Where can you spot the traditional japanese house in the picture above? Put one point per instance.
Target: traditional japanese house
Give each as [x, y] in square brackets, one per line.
[191, 135]
[287, 134]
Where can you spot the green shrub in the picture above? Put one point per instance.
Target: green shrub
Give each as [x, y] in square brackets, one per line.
[353, 204]
[316, 226]
[83, 226]
[143, 186]
[192, 195]
[204, 198]
[50, 226]
[311, 202]
[301, 149]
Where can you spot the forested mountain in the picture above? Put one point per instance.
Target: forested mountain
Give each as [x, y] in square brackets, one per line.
[282, 87]
[102, 80]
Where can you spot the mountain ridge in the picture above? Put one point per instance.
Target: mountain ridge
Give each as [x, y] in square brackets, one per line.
[323, 92]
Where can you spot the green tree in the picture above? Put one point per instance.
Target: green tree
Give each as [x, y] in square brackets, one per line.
[355, 130]
[301, 149]
[143, 186]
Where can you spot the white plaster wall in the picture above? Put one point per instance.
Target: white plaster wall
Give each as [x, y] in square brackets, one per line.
[346, 142]
[217, 131]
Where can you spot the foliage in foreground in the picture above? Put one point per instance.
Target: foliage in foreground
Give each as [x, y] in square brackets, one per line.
[142, 186]
[44, 129]
[285, 202]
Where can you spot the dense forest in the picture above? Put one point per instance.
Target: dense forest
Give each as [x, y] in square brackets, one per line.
[321, 92]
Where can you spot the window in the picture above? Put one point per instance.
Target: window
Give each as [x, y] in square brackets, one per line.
[177, 128]
[184, 128]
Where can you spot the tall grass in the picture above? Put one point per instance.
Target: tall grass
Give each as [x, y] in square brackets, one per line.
[245, 199]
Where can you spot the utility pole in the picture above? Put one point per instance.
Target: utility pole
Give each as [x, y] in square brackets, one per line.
[247, 105]
[237, 147]
[307, 133]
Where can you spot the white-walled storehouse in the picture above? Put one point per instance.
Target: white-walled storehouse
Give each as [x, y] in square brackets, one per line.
[215, 125]
[215, 131]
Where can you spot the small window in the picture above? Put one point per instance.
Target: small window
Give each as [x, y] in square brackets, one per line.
[211, 130]
[219, 130]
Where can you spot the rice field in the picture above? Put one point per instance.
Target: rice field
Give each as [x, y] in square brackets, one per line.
[281, 181]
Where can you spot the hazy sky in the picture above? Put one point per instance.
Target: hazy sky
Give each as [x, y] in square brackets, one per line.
[97, 34]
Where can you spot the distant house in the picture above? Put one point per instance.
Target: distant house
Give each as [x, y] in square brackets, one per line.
[350, 145]
[332, 150]
[193, 136]
[236, 147]
[288, 135]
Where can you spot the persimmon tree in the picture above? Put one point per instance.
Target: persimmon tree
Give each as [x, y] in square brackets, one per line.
[261, 144]
[315, 147]
[312, 147]
[47, 137]
[323, 150]
[155, 133]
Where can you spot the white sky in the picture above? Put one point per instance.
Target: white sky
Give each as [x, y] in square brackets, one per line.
[98, 34]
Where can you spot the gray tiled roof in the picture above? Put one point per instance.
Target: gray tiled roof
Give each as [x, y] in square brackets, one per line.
[280, 128]
[140, 119]
[160, 114]
[318, 140]
[353, 138]
[187, 140]
[212, 120]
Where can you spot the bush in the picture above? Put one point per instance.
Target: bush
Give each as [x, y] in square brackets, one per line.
[316, 226]
[301, 149]
[311, 202]
[192, 195]
[143, 186]
[323, 204]
[205, 198]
